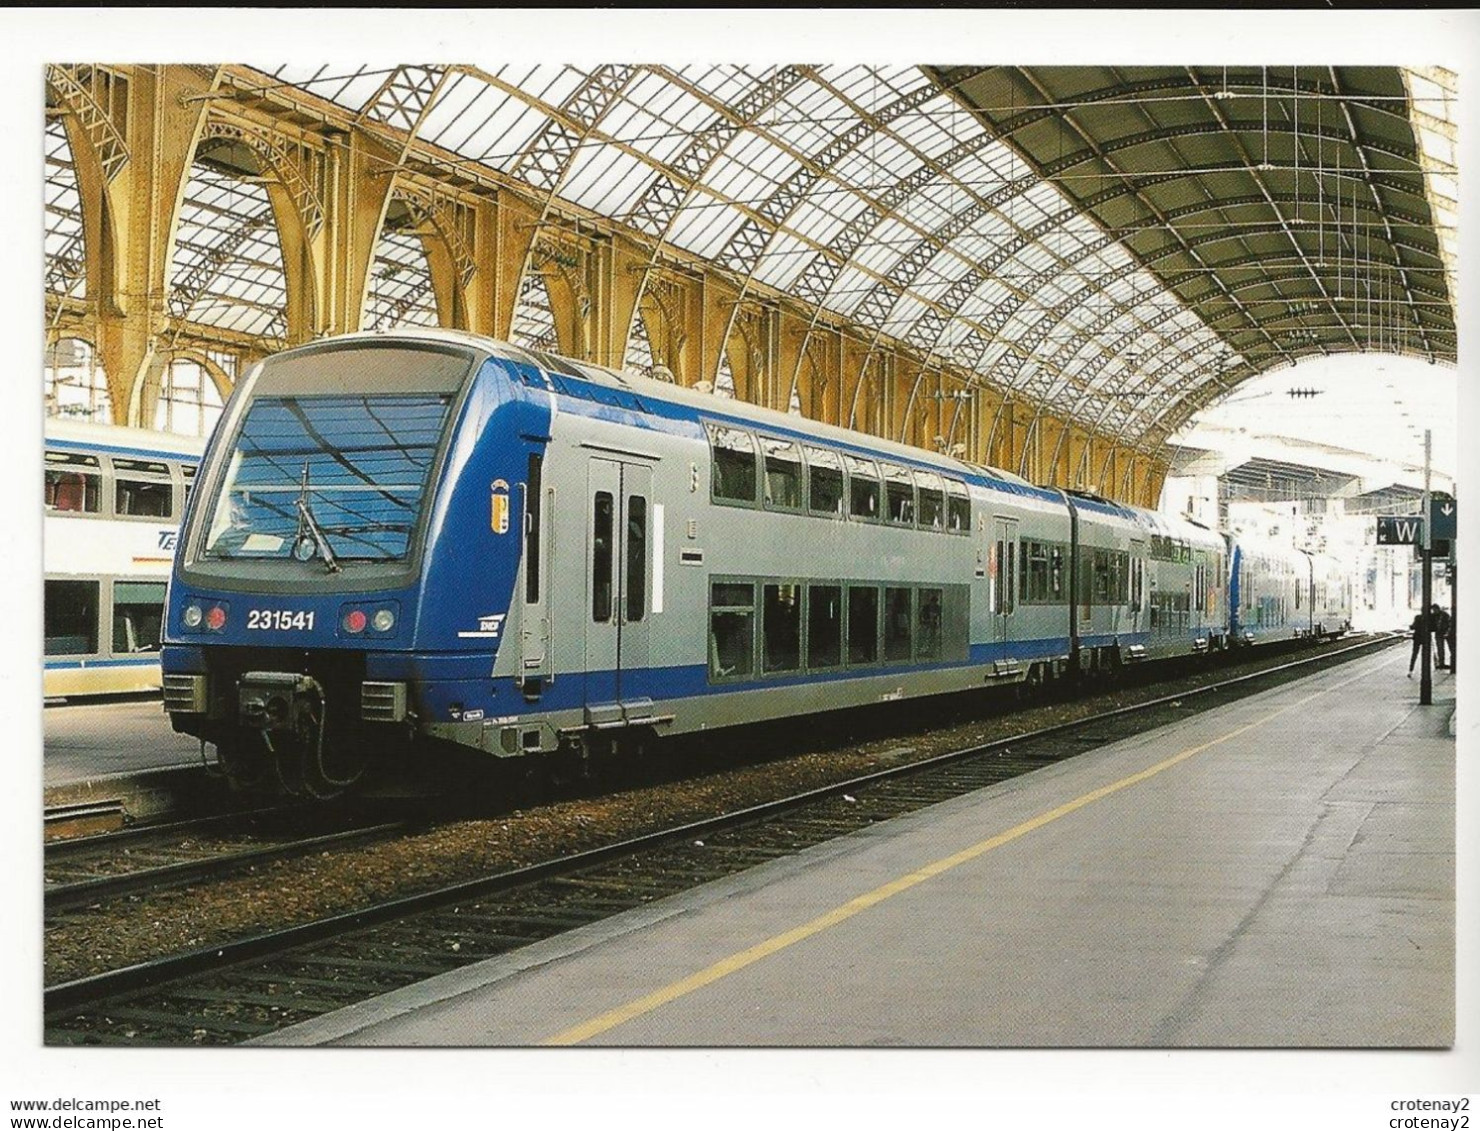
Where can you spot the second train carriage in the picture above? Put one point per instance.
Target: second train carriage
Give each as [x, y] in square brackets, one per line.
[415, 538]
[1331, 596]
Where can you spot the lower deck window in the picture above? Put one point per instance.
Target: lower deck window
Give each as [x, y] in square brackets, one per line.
[762, 627]
[138, 611]
[71, 614]
[782, 627]
[863, 625]
[899, 623]
[824, 626]
[927, 625]
[731, 630]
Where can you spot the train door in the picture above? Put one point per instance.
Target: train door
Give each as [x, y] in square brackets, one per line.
[1004, 577]
[1138, 585]
[533, 604]
[618, 561]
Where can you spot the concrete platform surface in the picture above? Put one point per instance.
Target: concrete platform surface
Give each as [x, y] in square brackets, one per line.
[1278, 872]
[86, 741]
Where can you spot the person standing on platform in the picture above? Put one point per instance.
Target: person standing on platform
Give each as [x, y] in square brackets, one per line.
[1421, 628]
[1442, 628]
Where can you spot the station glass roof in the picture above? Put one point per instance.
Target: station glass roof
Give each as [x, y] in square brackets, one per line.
[1122, 245]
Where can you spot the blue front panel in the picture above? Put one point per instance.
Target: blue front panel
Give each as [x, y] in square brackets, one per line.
[474, 539]
[448, 621]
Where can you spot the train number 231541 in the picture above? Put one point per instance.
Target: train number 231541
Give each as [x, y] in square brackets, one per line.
[280, 619]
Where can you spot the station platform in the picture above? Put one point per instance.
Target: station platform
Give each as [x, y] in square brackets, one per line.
[1274, 873]
[87, 741]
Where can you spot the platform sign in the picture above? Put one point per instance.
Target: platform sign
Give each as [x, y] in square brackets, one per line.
[1400, 530]
[1443, 515]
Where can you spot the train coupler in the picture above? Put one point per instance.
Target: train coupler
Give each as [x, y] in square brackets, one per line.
[279, 701]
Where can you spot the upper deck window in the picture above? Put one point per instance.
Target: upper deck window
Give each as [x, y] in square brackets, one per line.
[350, 471]
[863, 488]
[73, 483]
[899, 495]
[783, 474]
[733, 479]
[824, 482]
[143, 487]
[932, 498]
[958, 507]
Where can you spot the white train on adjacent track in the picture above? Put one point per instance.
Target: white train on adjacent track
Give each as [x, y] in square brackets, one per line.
[113, 501]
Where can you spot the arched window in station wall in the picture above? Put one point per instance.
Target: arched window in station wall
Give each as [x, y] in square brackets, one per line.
[227, 269]
[189, 402]
[534, 318]
[74, 383]
[400, 291]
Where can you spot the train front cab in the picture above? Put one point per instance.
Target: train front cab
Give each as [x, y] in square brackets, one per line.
[348, 557]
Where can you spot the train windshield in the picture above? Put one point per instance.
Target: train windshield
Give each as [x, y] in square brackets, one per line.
[328, 477]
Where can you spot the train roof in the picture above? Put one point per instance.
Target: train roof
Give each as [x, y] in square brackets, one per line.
[709, 405]
[117, 439]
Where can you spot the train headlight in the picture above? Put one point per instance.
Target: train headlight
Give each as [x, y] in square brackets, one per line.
[354, 621]
[216, 618]
[383, 621]
[193, 616]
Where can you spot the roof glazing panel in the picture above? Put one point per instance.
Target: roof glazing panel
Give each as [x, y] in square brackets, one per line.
[871, 167]
[227, 270]
[65, 263]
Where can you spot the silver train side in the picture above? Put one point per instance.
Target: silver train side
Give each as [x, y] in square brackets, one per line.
[545, 555]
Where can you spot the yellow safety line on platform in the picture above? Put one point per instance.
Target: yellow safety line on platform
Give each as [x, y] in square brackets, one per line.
[723, 968]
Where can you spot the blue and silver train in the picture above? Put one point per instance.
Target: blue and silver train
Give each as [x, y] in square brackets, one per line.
[401, 544]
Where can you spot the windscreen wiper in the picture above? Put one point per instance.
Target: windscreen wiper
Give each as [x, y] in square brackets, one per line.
[311, 538]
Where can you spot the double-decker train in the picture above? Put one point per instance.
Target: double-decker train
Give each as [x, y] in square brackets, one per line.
[112, 505]
[407, 543]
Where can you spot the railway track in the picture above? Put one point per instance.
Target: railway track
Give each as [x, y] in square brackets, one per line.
[88, 871]
[227, 993]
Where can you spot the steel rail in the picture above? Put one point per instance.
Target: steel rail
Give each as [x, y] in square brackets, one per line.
[61, 897]
[64, 847]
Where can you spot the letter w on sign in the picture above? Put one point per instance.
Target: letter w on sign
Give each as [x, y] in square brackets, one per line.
[1400, 530]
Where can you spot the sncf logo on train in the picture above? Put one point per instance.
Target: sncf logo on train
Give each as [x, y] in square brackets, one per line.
[488, 627]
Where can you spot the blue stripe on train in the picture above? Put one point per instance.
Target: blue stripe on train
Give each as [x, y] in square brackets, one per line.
[147, 662]
[568, 690]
